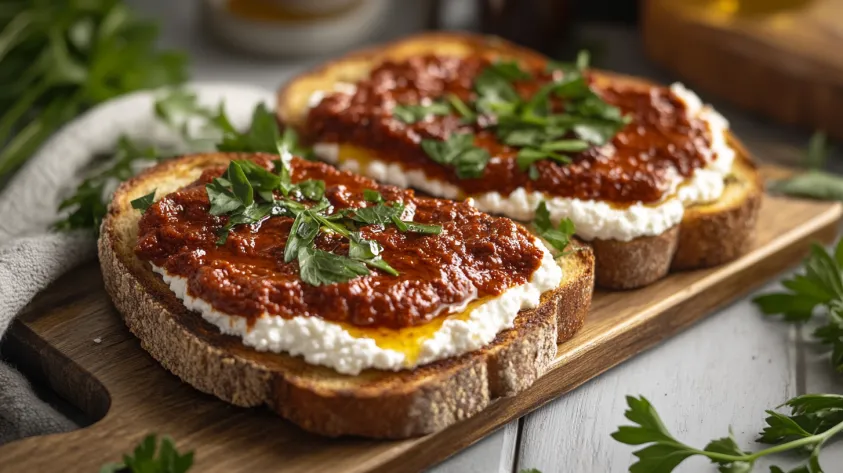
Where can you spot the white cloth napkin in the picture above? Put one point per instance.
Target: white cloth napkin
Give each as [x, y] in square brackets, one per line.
[32, 256]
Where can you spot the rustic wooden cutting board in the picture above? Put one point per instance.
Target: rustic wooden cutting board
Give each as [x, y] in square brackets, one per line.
[781, 58]
[72, 338]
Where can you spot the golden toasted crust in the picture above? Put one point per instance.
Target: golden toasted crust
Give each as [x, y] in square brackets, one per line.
[374, 403]
[722, 231]
[708, 235]
[293, 97]
[634, 263]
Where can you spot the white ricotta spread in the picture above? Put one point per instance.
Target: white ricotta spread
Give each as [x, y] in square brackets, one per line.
[592, 218]
[321, 342]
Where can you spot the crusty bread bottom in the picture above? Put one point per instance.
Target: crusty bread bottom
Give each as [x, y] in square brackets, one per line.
[373, 404]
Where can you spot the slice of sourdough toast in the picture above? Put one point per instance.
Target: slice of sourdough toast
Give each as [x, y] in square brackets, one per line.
[708, 235]
[374, 403]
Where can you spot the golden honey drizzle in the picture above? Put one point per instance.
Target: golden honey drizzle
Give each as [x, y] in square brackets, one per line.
[409, 340]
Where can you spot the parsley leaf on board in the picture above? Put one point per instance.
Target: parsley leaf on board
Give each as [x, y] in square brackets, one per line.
[813, 183]
[558, 237]
[151, 457]
[662, 452]
[818, 151]
[144, 202]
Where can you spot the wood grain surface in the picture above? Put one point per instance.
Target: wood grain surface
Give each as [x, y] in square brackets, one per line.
[75, 341]
[776, 57]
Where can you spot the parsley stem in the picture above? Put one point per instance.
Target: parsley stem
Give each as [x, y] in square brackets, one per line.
[814, 439]
[806, 441]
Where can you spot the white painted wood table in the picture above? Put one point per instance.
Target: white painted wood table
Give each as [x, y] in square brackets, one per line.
[724, 371]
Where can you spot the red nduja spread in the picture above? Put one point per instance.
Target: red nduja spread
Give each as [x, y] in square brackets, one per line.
[634, 168]
[247, 276]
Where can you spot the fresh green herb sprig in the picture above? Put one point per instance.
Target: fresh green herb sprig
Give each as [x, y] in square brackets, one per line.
[815, 294]
[59, 58]
[814, 183]
[458, 151]
[88, 205]
[527, 157]
[542, 133]
[818, 149]
[529, 124]
[246, 194]
[151, 457]
[144, 202]
[416, 113]
[814, 420]
[559, 237]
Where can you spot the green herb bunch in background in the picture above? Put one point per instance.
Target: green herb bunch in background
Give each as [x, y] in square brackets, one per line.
[60, 57]
[85, 208]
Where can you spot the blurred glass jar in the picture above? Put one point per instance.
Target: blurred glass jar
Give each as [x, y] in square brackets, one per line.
[293, 27]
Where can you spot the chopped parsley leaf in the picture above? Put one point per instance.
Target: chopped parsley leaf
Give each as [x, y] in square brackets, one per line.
[144, 202]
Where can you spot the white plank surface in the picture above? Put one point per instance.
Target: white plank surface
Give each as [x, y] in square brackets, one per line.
[726, 370]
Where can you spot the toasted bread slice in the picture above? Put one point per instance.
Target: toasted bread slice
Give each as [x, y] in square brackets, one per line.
[373, 404]
[709, 234]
